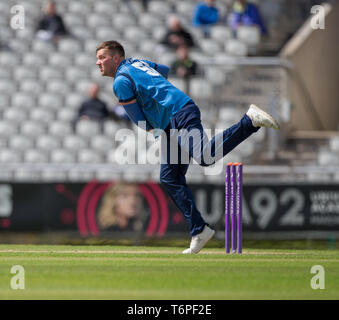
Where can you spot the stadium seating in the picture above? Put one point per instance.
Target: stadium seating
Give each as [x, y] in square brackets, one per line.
[23, 100]
[236, 47]
[110, 157]
[20, 142]
[215, 75]
[7, 87]
[74, 19]
[10, 156]
[105, 7]
[31, 86]
[62, 156]
[200, 88]
[60, 128]
[101, 143]
[209, 45]
[73, 100]
[51, 101]
[13, 114]
[34, 59]
[49, 73]
[88, 156]
[122, 21]
[47, 142]
[66, 115]
[42, 46]
[7, 128]
[334, 144]
[25, 72]
[32, 128]
[5, 73]
[82, 32]
[78, 175]
[74, 142]
[75, 6]
[53, 175]
[250, 35]
[9, 59]
[35, 156]
[110, 128]
[58, 59]
[328, 158]
[221, 33]
[42, 85]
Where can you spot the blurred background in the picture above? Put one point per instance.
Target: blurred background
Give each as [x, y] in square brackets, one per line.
[61, 172]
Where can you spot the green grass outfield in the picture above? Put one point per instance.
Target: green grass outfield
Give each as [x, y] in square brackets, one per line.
[161, 273]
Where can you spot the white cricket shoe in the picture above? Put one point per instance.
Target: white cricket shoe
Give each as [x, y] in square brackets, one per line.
[260, 118]
[198, 241]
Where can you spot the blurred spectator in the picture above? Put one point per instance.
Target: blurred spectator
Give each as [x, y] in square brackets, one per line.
[119, 114]
[50, 25]
[176, 34]
[144, 5]
[4, 46]
[205, 15]
[183, 66]
[93, 108]
[247, 14]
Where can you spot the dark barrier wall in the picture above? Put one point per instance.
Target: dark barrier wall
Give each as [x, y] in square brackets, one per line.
[115, 208]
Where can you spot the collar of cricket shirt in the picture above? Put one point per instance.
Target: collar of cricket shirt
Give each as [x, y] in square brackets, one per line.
[122, 63]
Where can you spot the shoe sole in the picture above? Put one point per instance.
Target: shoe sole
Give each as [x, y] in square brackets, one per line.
[276, 125]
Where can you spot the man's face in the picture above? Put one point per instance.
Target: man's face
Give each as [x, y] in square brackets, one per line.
[93, 91]
[175, 24]
[182, 53]
[50, 9]
[210, 2]
[107, 62]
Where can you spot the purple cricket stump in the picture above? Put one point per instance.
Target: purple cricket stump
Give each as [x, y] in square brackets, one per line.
[239, 207]
[233, 210]
[227, 209]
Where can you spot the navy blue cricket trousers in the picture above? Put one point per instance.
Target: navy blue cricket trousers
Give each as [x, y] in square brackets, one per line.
[186, 138]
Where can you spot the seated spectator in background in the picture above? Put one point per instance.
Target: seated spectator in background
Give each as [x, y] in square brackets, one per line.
[176, 34]
[183, 66]
[93, 108]
[205, 15]
[144, 5]
[119, 114]
[4, 46]
[246, 14]
[51, 26]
